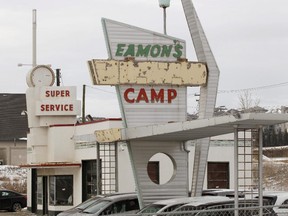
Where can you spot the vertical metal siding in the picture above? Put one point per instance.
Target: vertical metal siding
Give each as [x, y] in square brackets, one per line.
[123, 33]
[145, 114]
[150, 113]
[150, 191]
[142, 113]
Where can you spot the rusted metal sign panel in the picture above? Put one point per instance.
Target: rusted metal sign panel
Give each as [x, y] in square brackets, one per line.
[112, 72]
[109, 135]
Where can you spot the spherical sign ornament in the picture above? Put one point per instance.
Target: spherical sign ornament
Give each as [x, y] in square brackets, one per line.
[40, 75]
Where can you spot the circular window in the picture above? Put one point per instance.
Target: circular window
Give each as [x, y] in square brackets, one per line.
[161, 168]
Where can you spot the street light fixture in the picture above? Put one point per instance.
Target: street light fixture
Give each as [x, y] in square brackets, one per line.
[164, 4]
[21, 65]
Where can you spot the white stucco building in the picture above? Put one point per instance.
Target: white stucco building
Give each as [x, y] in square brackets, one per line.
[71, 167]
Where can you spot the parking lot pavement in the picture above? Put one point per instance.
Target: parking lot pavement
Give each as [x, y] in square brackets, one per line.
[24, 212]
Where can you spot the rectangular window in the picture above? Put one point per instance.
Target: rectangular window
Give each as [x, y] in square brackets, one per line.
[154, 171]
[39, 190]
[218, 175]
[61, 190]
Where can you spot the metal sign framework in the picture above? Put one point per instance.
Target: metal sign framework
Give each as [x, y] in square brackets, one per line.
[145, 138]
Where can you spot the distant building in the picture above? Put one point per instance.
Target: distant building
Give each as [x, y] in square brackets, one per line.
[13, 129]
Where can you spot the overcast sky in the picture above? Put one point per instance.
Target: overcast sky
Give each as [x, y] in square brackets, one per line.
[249, 39]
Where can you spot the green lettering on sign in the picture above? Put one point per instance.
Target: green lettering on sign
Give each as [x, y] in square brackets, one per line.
[166, 50]
[143, 51]
[130, 51]
[150, 50]
[178, 51]
[119, 51]
[155, 51]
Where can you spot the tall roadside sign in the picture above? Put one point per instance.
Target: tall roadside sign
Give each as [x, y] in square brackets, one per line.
[151, 75]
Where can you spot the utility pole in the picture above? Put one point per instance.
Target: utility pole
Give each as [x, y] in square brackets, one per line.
[34, 52]
[164, 4]
[83, 103]
[58, 77]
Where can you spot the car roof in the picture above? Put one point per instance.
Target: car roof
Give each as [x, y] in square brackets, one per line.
[197, 201]
[173, 201]
[222, 192]
[117, 197]
[246, 203]
[182, 201]
[7, 190]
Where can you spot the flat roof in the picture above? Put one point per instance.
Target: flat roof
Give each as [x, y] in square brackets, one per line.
[198, 129]
[51, 165]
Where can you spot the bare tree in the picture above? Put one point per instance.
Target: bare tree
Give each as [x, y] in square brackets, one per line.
[246, 100]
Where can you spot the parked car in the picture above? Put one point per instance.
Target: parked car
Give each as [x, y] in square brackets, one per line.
[216, 208]
[12, 201]
[116, 204]
[245, 207]
[199, 203]
[81, 206]
[171, 204]
[279, 199]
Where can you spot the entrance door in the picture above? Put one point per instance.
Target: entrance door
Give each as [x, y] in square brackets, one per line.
[218, 175]
[34, 189]
[42, 194]
[89, 179]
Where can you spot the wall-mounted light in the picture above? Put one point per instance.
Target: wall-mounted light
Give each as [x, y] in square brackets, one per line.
[122, 146]
[89, 118]
[24, 113]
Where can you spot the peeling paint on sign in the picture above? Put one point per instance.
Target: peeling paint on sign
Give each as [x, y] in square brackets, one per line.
[112, 72]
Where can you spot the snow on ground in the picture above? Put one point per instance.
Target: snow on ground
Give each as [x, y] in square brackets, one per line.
[12, 172]
[13, 178]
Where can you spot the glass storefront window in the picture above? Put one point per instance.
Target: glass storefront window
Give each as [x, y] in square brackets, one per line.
[61, 190]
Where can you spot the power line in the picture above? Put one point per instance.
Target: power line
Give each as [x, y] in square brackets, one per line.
[219, 91]
[254, 89]
[99, 89]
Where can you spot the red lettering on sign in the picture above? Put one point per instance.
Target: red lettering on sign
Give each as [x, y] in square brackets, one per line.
[57, 93]
[142, 96]
[155, 96]
[127, 91]
[56, 107]
[172, 94]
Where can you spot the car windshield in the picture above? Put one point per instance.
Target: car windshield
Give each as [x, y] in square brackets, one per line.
[172, 208]
[97, 207]
[153, 208]
[87, 203]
